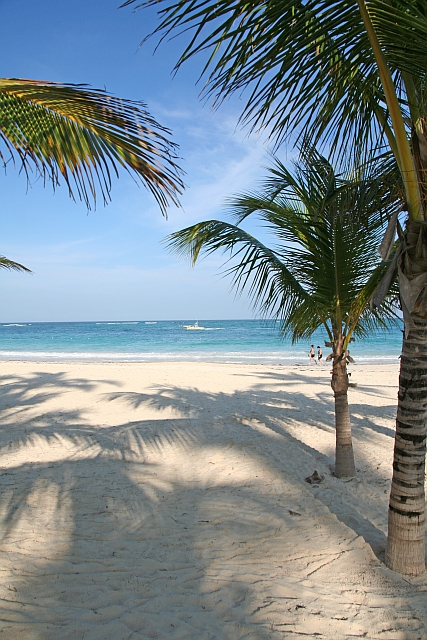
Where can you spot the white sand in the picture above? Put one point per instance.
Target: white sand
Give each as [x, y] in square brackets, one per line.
[168, 501]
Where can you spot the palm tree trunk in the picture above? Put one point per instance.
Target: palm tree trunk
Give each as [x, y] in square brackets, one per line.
[344, 456]
[405, 551]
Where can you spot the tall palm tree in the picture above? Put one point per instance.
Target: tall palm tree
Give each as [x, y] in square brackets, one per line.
[321, 271]
[63, 131]
[353, 74]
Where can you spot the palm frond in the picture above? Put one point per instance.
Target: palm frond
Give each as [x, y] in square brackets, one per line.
[5, 263]
[391, 20]
[305, 64]
[83, 136]
[322, 266]
[307, 67]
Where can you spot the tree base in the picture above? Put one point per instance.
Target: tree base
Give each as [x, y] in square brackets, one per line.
[344, 462]
[405, 551]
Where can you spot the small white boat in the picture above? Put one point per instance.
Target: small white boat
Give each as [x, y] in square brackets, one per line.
[193, 327]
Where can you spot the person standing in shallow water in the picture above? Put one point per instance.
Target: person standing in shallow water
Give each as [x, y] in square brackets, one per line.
[312, 355]
[319, 355]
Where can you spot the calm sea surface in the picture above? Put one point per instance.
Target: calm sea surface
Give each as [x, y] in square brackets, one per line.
[143, 341]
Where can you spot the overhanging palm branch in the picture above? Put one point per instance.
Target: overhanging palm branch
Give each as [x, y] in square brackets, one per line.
[10, 265]
[83, 136]
[306, 65]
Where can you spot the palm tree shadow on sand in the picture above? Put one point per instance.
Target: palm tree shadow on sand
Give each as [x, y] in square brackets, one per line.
[162, 526]
[271, 415]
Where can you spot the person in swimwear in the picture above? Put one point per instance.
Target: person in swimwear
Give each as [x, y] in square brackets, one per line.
[312, 355]
[319, 355]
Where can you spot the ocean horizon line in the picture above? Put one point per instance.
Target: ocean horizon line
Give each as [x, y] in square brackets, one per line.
[115, 321]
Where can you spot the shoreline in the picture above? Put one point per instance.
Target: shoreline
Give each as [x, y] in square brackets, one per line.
[291, 363]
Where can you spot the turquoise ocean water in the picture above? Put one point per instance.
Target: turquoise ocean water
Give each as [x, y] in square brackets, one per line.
[251, 341]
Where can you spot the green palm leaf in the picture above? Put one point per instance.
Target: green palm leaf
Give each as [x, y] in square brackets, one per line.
[83, 136]
[5, 263]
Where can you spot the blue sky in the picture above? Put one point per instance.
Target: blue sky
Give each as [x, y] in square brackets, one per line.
[109, 263]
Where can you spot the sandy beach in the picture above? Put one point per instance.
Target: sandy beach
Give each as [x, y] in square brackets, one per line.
[168, 500]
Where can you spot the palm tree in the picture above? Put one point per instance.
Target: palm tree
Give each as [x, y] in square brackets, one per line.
[354, 75]
[83, 136]
[321, 271]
